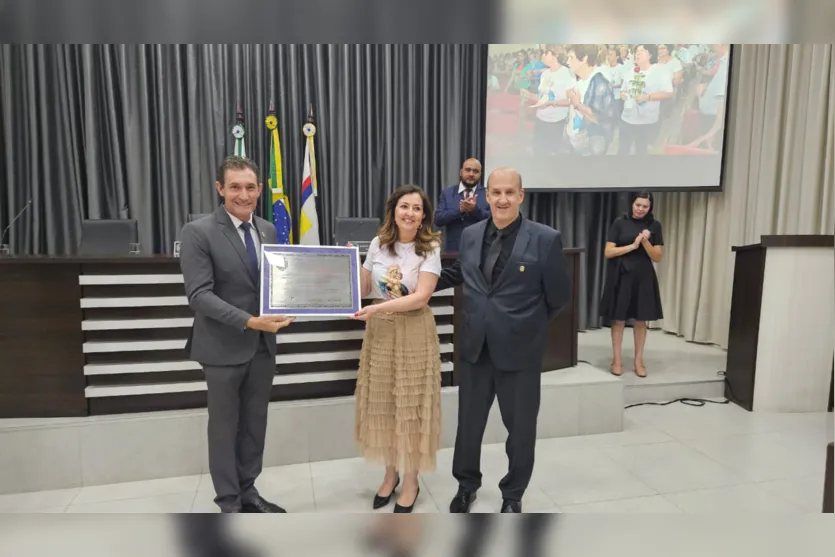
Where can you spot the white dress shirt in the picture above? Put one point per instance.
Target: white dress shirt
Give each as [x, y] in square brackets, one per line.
[462, 188]
[252, 232]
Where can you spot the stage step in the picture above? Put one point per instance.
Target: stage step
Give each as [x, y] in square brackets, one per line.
[58, 453]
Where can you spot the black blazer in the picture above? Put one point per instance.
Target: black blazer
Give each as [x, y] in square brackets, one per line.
[511, 316]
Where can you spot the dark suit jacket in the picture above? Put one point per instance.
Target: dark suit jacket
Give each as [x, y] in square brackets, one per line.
[448, 214]
[511, 316]
[221, 290]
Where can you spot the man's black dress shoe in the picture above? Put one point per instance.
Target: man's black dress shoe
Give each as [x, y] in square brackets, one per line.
[511, 506]
[261, 505]
[462, 501]
[380, 501]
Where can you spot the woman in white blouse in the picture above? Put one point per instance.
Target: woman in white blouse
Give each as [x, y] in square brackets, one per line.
[398, 392]
[642, 91]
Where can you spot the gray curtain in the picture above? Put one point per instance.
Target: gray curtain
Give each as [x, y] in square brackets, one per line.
[137, 131]
[583, 219]
[779, 178]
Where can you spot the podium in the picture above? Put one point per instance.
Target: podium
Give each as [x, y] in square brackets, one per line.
[828, 484]
[782, 327]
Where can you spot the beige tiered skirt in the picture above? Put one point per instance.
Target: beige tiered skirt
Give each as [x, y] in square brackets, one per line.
[398, 394]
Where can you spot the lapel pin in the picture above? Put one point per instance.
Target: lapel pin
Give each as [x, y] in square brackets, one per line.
[521, 268]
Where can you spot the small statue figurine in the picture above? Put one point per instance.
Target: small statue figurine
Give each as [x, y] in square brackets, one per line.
[391, 282]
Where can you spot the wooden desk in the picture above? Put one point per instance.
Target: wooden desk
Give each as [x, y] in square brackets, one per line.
[82, 336]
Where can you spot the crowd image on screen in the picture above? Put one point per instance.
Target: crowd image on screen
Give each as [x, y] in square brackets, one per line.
[637, 99]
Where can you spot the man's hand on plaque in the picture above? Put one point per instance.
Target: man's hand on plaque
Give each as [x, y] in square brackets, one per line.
[269, 323]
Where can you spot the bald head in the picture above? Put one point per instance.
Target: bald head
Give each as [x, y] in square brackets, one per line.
[470, 173]
[505, 175]
[505, 195]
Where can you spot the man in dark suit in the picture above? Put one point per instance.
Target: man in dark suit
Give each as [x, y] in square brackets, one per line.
[219, 257]
[515, 281]
[462, 205]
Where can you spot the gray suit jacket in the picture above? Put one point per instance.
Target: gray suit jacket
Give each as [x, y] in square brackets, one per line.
[221, 290]
[512, 315]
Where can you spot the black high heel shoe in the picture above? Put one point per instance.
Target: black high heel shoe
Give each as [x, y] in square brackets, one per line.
[399, 509]
[380, 501]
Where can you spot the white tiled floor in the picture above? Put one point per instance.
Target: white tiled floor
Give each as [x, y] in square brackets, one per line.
[670, 459]
[668, 358]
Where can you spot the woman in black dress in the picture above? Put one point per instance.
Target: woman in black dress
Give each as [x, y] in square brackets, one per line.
[631, 289]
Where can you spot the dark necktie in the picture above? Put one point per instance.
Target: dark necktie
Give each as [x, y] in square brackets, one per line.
[250, 249]
[492, 257]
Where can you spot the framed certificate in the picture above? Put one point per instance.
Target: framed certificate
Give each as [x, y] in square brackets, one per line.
[310, 280]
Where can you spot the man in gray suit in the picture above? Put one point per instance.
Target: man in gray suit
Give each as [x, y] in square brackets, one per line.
[515, 281]
[219, 257]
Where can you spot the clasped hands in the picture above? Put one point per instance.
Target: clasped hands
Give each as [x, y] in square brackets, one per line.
[467, 205]
[573, 97]
[644, 235]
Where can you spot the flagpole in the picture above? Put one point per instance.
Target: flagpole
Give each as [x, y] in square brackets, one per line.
[308, 215]
[239, 132]
[279, 203]
[313, 174]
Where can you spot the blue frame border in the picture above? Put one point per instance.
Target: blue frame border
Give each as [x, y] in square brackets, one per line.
[296, 312]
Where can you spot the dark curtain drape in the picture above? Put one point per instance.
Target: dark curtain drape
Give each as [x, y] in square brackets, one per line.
[137, 131]
[584, 220]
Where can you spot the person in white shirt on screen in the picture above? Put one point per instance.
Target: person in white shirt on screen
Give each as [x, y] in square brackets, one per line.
[551, 102]
[626, 58]
[671, 118]
[708, 64]
[614, 70]
[602, 52]
[712, 104]
[592, 115]
[687, 53]
[642, 91]
[670, 63]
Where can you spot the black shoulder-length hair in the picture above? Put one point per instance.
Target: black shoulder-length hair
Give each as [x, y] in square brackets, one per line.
[643, 194]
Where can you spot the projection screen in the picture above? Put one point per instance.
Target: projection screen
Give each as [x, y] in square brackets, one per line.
[609, 117]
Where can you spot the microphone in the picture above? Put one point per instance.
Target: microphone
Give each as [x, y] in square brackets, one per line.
[3, 235]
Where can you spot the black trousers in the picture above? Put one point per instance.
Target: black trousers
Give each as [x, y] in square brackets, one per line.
[549, 137]
[640, 135]
[518, 393]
